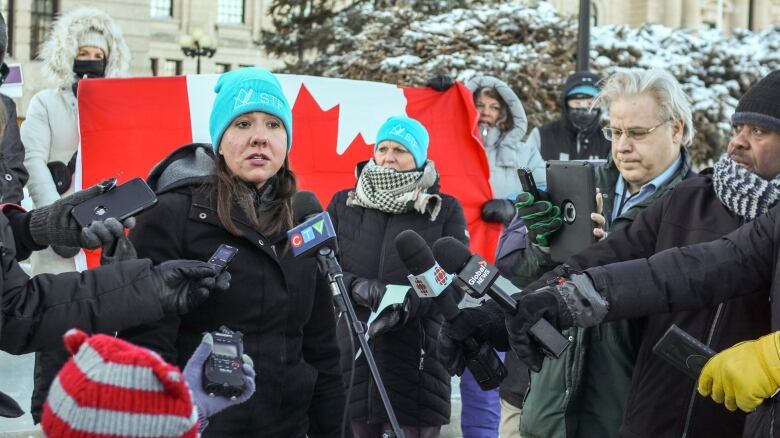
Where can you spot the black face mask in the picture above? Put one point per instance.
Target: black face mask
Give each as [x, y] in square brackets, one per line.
[581, 118]
[90, 69]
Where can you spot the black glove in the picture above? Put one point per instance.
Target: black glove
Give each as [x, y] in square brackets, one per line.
[66, 252]
[440, 82]
[564, 303]
[367, 292]
[395, 316]
[484, 323]
[110, 236]
[541, 217]
[498, 210]
[54, 225]
[185, 284]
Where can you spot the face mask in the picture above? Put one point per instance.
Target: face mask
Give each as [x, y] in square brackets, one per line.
[90, 69]
[582, 118]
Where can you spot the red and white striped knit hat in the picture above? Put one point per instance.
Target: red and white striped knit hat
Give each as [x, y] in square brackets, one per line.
[111, 388]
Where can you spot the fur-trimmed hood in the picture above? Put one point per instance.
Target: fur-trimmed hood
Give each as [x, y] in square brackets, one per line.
[59, 50]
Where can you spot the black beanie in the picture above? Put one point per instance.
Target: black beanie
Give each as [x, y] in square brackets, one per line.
[760, 106]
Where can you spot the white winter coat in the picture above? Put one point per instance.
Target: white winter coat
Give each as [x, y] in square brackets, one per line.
[505, 150]
[50, 131]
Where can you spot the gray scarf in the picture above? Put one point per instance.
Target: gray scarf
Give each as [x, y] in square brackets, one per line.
[742, 191]
[395, 192]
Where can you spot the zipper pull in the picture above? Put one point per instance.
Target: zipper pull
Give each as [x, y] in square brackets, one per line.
[422, 359]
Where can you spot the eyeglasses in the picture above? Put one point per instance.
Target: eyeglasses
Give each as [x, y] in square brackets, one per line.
[613, 134]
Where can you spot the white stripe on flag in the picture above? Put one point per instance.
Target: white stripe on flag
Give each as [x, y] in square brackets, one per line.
[108, 422]
[363, 105]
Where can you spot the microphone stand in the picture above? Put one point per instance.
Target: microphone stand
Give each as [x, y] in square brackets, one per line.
[326, 259]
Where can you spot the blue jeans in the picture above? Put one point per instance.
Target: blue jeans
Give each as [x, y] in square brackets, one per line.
[481, 410]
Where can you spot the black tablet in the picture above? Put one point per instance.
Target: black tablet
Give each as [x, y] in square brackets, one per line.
[572, 186]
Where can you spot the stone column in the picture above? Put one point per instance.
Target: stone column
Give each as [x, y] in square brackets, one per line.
[761, 18]
[672, 13]
[739, 15]
[691, 14]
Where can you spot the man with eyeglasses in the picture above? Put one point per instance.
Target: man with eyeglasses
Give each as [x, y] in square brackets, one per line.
[584, 393]
[745, 183]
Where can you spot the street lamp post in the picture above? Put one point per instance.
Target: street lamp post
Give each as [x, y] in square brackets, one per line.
[198, 44]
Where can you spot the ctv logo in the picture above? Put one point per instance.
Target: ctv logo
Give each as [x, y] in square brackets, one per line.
[307, 234]
[480, 275]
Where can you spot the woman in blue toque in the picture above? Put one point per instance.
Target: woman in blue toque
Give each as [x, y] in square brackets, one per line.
[397, 190]
[238, 191]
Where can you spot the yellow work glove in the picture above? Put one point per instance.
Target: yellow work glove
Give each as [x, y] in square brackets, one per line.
[744, 375]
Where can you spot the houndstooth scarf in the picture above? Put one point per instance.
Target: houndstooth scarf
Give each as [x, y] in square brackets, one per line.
[395, 192]
[742, 191]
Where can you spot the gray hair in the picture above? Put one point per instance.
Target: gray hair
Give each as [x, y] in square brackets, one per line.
[672, 101]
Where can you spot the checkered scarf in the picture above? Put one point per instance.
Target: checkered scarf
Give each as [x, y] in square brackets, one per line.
[395, 192]
[742, 191]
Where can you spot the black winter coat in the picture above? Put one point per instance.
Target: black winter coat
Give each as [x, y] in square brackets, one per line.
[745, 263]
[36, 312]
[13, 174]
[281, 305]
[662, 401]
[418, 385]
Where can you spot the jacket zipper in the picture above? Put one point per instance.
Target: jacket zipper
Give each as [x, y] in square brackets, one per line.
[693, 394]
[371, 384]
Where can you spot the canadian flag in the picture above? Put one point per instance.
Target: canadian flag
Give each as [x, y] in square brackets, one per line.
[128, 125]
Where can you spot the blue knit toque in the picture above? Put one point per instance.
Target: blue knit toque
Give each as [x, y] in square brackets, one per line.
[244, 91]
[408, 132]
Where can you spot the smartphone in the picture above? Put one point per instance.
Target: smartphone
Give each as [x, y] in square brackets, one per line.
[528, 183]
[119, 202]
[572, 187]
[222, 256]
[683, 351]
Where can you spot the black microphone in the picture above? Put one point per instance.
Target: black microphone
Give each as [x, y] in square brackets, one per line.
[481, 360]
[428, 279]
[477, 277]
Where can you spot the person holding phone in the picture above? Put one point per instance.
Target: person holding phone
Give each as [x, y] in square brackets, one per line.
[650, 124]
[37, 311]
[238, 192]
[83, 43]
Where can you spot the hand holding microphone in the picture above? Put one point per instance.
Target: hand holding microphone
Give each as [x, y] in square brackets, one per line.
[456, 349]
[529, 331]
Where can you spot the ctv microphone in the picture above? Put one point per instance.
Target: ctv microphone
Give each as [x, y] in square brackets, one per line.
[427, 275]
[315, 230]
[315, 236]
[477, 277]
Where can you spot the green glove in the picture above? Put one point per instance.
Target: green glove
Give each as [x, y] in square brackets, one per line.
[541, 217]
[744, 375]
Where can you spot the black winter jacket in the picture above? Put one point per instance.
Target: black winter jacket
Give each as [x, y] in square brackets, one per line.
[663, 401]
[36, 312]
[13, 174]
[281, 305]
[418, 385]
[745, 264]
